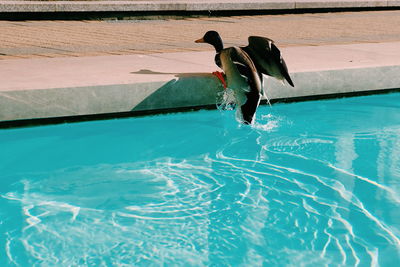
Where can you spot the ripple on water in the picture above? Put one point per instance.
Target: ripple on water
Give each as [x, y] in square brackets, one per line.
[312, 204]
[81, 216]
[212, 209]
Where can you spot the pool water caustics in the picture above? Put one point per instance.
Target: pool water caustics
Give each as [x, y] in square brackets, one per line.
[309, 184]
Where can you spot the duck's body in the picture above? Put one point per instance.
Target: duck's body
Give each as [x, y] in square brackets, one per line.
[244, 66]
[243, 79]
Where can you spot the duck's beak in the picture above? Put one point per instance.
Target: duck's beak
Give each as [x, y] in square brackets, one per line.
[201, 40]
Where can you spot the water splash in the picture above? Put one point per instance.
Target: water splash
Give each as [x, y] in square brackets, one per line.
[226, 100]
[267, 123]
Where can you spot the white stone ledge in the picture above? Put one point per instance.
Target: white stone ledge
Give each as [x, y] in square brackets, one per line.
[181, 5]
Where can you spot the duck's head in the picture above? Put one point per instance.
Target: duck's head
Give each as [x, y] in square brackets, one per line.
[212, 38]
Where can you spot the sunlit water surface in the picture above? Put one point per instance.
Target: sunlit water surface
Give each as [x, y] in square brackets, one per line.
[310, 184]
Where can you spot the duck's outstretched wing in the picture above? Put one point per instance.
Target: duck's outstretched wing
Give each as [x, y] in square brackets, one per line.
[267, 58]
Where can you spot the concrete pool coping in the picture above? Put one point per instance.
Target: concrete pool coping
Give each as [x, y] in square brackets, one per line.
[8, 6]
[42, 88]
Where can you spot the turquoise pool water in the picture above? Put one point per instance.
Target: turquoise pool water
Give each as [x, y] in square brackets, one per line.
[311, 184]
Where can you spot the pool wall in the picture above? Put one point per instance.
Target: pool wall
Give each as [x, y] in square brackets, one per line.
[133, 84]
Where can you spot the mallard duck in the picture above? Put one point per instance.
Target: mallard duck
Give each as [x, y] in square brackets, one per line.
[244, 66]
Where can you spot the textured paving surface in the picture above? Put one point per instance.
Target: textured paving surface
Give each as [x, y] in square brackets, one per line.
[32, 39]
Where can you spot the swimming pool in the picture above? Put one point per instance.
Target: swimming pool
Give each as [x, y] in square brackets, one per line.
[310, 184]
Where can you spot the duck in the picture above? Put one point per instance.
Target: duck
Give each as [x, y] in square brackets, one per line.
[244, 68]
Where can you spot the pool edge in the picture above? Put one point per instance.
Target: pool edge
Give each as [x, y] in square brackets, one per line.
[334, 71]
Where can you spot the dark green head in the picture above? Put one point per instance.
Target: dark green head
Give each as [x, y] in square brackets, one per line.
[212, 38]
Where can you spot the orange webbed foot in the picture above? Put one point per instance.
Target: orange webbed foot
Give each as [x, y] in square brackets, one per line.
[220, 76]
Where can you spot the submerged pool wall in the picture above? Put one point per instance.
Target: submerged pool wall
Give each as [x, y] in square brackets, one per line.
[93, 87]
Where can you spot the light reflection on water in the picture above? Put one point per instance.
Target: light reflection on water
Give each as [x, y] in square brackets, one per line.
[314, 183]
